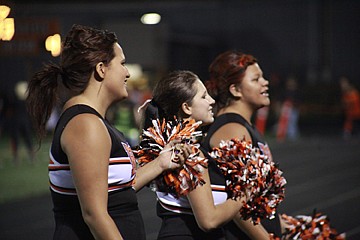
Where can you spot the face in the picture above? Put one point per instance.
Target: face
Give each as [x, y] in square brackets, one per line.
[201, 105]
[117, 74]
[254, 88]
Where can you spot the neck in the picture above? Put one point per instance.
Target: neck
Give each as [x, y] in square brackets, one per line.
[240, 109]
[80, 99]
[92, 96]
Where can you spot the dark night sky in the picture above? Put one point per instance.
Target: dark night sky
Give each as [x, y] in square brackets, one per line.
[313, 39]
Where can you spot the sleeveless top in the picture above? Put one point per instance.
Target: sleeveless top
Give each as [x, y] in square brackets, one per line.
[177, 215]
[121, 170]
[256, 137]
[170, 205]
[178, 218]
[233, 232]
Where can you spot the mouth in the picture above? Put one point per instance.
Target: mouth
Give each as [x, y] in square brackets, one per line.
[211, 112]
[265, 93]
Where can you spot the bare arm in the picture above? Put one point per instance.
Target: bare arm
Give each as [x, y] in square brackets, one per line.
[147, 173]
[87, 144]
[207, 214]
[227, 132]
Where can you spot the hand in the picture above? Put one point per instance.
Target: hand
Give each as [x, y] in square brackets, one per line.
[179, 155]
[244, 195]
[174, 155]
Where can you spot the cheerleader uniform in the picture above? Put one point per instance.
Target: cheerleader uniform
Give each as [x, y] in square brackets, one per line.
[231, 230]
[178, 221]
[122, 201]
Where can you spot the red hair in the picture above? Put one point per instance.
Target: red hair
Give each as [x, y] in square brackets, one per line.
[227, 68]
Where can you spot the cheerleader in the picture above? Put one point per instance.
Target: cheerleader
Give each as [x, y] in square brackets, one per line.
[92, 170]
[239, 88]
[205, 208]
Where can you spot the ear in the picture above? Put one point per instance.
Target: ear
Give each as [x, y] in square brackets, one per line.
[186, 108]
[235, 90]
[100, 71]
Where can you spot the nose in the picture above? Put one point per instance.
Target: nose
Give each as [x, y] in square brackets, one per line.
[266, 82]
[211, 100]
[127, 73]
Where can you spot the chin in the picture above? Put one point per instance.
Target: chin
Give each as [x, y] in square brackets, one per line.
[268, 101]
[262, 106]
[266, 104]
[125, 95]
[207, 121]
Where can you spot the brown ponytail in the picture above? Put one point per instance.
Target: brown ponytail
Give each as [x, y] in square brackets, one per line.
[82, 49]
[42, 96]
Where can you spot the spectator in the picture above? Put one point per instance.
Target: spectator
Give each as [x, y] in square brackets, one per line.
[351, 106]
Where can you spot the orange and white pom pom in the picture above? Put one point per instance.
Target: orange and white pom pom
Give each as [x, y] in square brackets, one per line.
[180, 181]
[315, 227]
[250, 174]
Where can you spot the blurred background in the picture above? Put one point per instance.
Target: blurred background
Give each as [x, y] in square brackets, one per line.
[314, 41]
[304, 48]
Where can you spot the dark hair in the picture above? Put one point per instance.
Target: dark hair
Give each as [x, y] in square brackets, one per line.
[228, 68]
[168, 95]
[82, 49]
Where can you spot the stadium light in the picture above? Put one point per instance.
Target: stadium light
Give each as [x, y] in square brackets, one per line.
[7, 25]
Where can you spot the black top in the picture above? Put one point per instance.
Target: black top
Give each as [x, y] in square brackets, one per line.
[233, 232]
[223, 119]
[122, 200]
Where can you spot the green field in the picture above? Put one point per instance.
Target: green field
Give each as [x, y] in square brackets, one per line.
[24, 179]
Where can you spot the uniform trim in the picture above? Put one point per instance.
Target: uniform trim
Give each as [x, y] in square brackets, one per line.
[176, 209]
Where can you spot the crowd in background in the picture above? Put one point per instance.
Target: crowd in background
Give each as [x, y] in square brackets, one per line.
[282, 120]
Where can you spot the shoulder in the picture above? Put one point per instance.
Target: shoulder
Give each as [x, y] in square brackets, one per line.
[85, 130]
[86, 122]
[229, 131]
[233, 130]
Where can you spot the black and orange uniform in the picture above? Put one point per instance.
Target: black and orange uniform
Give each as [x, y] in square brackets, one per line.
[122, 201]
[231, 230]
[178, 221]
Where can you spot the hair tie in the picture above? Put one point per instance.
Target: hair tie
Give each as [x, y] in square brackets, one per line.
[144, 104]
[244, 61]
